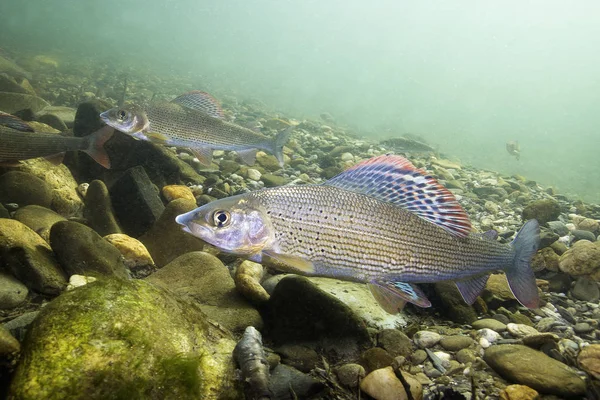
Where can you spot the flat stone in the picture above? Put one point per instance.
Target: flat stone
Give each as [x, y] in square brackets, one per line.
[489, 323]
[136, 201]
[523, 365]
[456, 342]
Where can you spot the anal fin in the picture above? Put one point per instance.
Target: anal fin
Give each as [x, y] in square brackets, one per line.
[248, 156]
[392, 296]
[203, 154]
[471, 288]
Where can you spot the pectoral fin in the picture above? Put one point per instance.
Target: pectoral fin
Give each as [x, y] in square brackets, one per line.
[392, 296]
[296, 264]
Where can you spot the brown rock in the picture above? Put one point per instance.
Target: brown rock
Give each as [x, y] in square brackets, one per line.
[589, 360]
[581, 259]
[519, 392]
[172, 192]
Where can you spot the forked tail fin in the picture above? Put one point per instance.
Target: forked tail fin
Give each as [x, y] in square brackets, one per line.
[520, 276]
[278, 143]
[96, 142]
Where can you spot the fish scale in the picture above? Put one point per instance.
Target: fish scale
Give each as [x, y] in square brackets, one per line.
[361, 237]
[188, 128]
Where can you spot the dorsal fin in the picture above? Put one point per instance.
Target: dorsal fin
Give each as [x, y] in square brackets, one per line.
[200, 101]
[394, 179]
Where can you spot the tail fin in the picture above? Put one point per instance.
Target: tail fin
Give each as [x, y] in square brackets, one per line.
[96, 142]
[278, 143]
[520, 276]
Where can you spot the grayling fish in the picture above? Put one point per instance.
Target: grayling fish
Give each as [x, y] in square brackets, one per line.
[19, 142]
[382, 222]
[193, 120]
[514, 149]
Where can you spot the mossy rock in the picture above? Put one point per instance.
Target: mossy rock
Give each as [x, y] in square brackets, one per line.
[543, 210]
[118, 339]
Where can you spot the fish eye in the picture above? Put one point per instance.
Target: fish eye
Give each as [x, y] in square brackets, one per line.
[121, 114]
[221, 218]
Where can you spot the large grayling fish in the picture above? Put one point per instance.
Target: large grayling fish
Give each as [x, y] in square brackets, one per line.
[193, 120]
[19, 142]
[382, 222]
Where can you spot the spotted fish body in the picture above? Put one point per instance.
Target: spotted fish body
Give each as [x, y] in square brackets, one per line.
[193, 120]
[382, 222]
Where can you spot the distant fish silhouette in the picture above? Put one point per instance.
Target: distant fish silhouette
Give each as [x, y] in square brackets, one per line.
[514, 149]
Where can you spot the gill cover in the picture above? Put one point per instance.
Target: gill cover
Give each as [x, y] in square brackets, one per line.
[130, 118]
[233, 225]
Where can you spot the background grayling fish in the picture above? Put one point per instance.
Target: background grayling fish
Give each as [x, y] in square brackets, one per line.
[19, 142]
[382, 222]
[193, 120]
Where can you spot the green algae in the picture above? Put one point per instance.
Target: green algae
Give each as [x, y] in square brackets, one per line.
[118, 339]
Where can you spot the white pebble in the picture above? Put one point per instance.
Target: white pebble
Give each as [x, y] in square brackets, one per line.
[83, 188]
[426, 339]
[520, 330]
[79, 280]
[488, 334]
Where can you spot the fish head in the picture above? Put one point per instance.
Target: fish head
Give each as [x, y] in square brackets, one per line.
[235, 225]
[129, 118]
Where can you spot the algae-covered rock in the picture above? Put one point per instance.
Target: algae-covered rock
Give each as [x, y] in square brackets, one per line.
[543, 210]
[204, 278]
[116, 339]
[30, 259]
[581, 259]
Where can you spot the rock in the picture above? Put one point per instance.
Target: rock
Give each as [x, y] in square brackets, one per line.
[39, 219]
[13, 69]
[13, 102]
[418, 357]
[65, 199]
[136, 201]
[24, 189]
[299, 312]
[247, 282]
[350, 374]
[87, 117]
[205, 279]
[288, 383]
[267, 161]
[53, 121]
[271, 180]
[9, 84]
[558, 227]
[588, 224]
[228, 167]
[489, 323]
[135, 255]
[12, 292]
[376, 358]
[456, 342]
[581, 259]
[253, 174]
[519, 392]
[465, 356]
[124, 337]
[453, 305]
[579, 234]
[497, 290]
[589, 360]
[166, 240]
[426, 339]
[76, 281]
[382, 384]
[29, 258]
[80, 250]
[542, 210]
[395, 342]
[523, 365]
[585, 290]
[18, 326]
[303, 358]
[98, 209]
[8, 343]
[547, 237]
[520, 330]
[65, 114]
[4, 212]
[172, 192]
[560, 283]
[545, 259]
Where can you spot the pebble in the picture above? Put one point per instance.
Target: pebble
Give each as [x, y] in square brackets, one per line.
[76, 281]
[455, 343]
[12, 292]
[382, 384]
[520, 330]
[487, 337]
[350, 374]
[253, 174]
[426, 339]
[489, 323]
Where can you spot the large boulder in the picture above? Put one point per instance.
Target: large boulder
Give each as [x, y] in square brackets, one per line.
[124, 339]
[581, 259]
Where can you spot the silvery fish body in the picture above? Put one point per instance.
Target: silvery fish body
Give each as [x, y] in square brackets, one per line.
[383, 222]
[194, 121]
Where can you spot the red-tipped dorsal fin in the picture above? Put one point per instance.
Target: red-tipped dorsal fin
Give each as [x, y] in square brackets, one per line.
[200, 101]
[394, 179]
